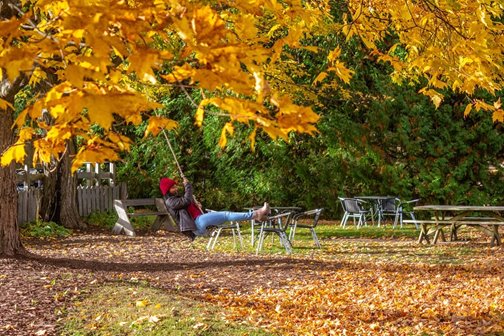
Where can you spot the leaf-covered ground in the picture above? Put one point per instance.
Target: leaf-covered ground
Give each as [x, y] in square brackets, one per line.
[351, 286]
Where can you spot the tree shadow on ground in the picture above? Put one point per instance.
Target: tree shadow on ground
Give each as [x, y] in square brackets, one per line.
[265, 264]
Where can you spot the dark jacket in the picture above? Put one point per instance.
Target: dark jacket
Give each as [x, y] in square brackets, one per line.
[177, 207]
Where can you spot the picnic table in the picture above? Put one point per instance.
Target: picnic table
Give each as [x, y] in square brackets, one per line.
[485, 218]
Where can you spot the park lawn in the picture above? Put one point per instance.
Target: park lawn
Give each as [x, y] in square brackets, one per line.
[366, 244]
[135, 308]
[362, 281]
[388, 284]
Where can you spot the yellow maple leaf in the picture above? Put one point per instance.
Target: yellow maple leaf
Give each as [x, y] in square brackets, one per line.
[481, 105]
[59, 132]
[435, 96]
[334, 55]
[341, 71]
[135, 119]
[245, 26]
[207, 79]
[261, 86]
[467, 110]
[102, 117]
[463, 61]
[122, 142]
[200, 112]
[75, 75]
[43, 150]
[4, 104]
[321, 76]
[9, 26]
[142, 303]
[157, 124]
[21, 118]
[15, 153]
[252, 138]
[25, 134]
[497, 104]
[228, 128]
[498, 116]
[273, 29]
[58, 110]
[36, 76]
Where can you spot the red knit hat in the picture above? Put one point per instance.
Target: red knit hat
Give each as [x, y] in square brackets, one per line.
[165, 184]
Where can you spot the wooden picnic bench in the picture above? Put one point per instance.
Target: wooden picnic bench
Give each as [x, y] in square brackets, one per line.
[463, 215]
[126, 210]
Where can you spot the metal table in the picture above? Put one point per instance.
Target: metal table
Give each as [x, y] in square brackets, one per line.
[376, 208]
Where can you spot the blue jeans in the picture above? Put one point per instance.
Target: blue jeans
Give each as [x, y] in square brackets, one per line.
[217, 218]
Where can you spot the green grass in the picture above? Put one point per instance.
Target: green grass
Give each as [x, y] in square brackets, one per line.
[137, 309]
[333, 230]
[367, 244]
[303, 243]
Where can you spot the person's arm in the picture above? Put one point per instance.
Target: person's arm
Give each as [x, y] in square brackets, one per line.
[188, 188]
[181, 202]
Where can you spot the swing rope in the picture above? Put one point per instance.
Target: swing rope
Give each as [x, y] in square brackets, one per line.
[179, 168]
[174, 156]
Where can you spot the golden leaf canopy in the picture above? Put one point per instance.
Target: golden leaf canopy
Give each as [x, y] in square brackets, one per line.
[454, 44]
[91, 58]
[91, 53]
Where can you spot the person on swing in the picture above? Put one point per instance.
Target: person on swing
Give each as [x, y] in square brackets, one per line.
[189, 216]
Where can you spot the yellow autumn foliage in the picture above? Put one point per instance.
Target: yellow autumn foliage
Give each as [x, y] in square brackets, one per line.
[455, 44]
[95, 48]
[93, 53]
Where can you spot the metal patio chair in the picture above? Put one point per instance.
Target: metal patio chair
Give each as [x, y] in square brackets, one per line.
[388, 207]
[354, 208]
[306, 220]
[396, 208]
[235, 229]
[278, 225]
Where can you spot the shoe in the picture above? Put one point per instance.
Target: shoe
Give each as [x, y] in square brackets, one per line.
[190, 235]
[262, 213]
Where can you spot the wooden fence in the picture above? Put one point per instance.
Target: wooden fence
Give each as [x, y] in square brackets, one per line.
[28, 204]
[99, 198]
[89, 199]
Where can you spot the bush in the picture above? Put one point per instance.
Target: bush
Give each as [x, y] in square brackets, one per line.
[102, 220]
[41, 229]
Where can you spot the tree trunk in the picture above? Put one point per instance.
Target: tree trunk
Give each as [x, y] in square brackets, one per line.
[68, 212]
[10, 242]
[59, 198]
[49, 197]
[6, 11]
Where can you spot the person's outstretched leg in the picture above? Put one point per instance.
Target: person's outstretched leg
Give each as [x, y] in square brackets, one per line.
[219, 217]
